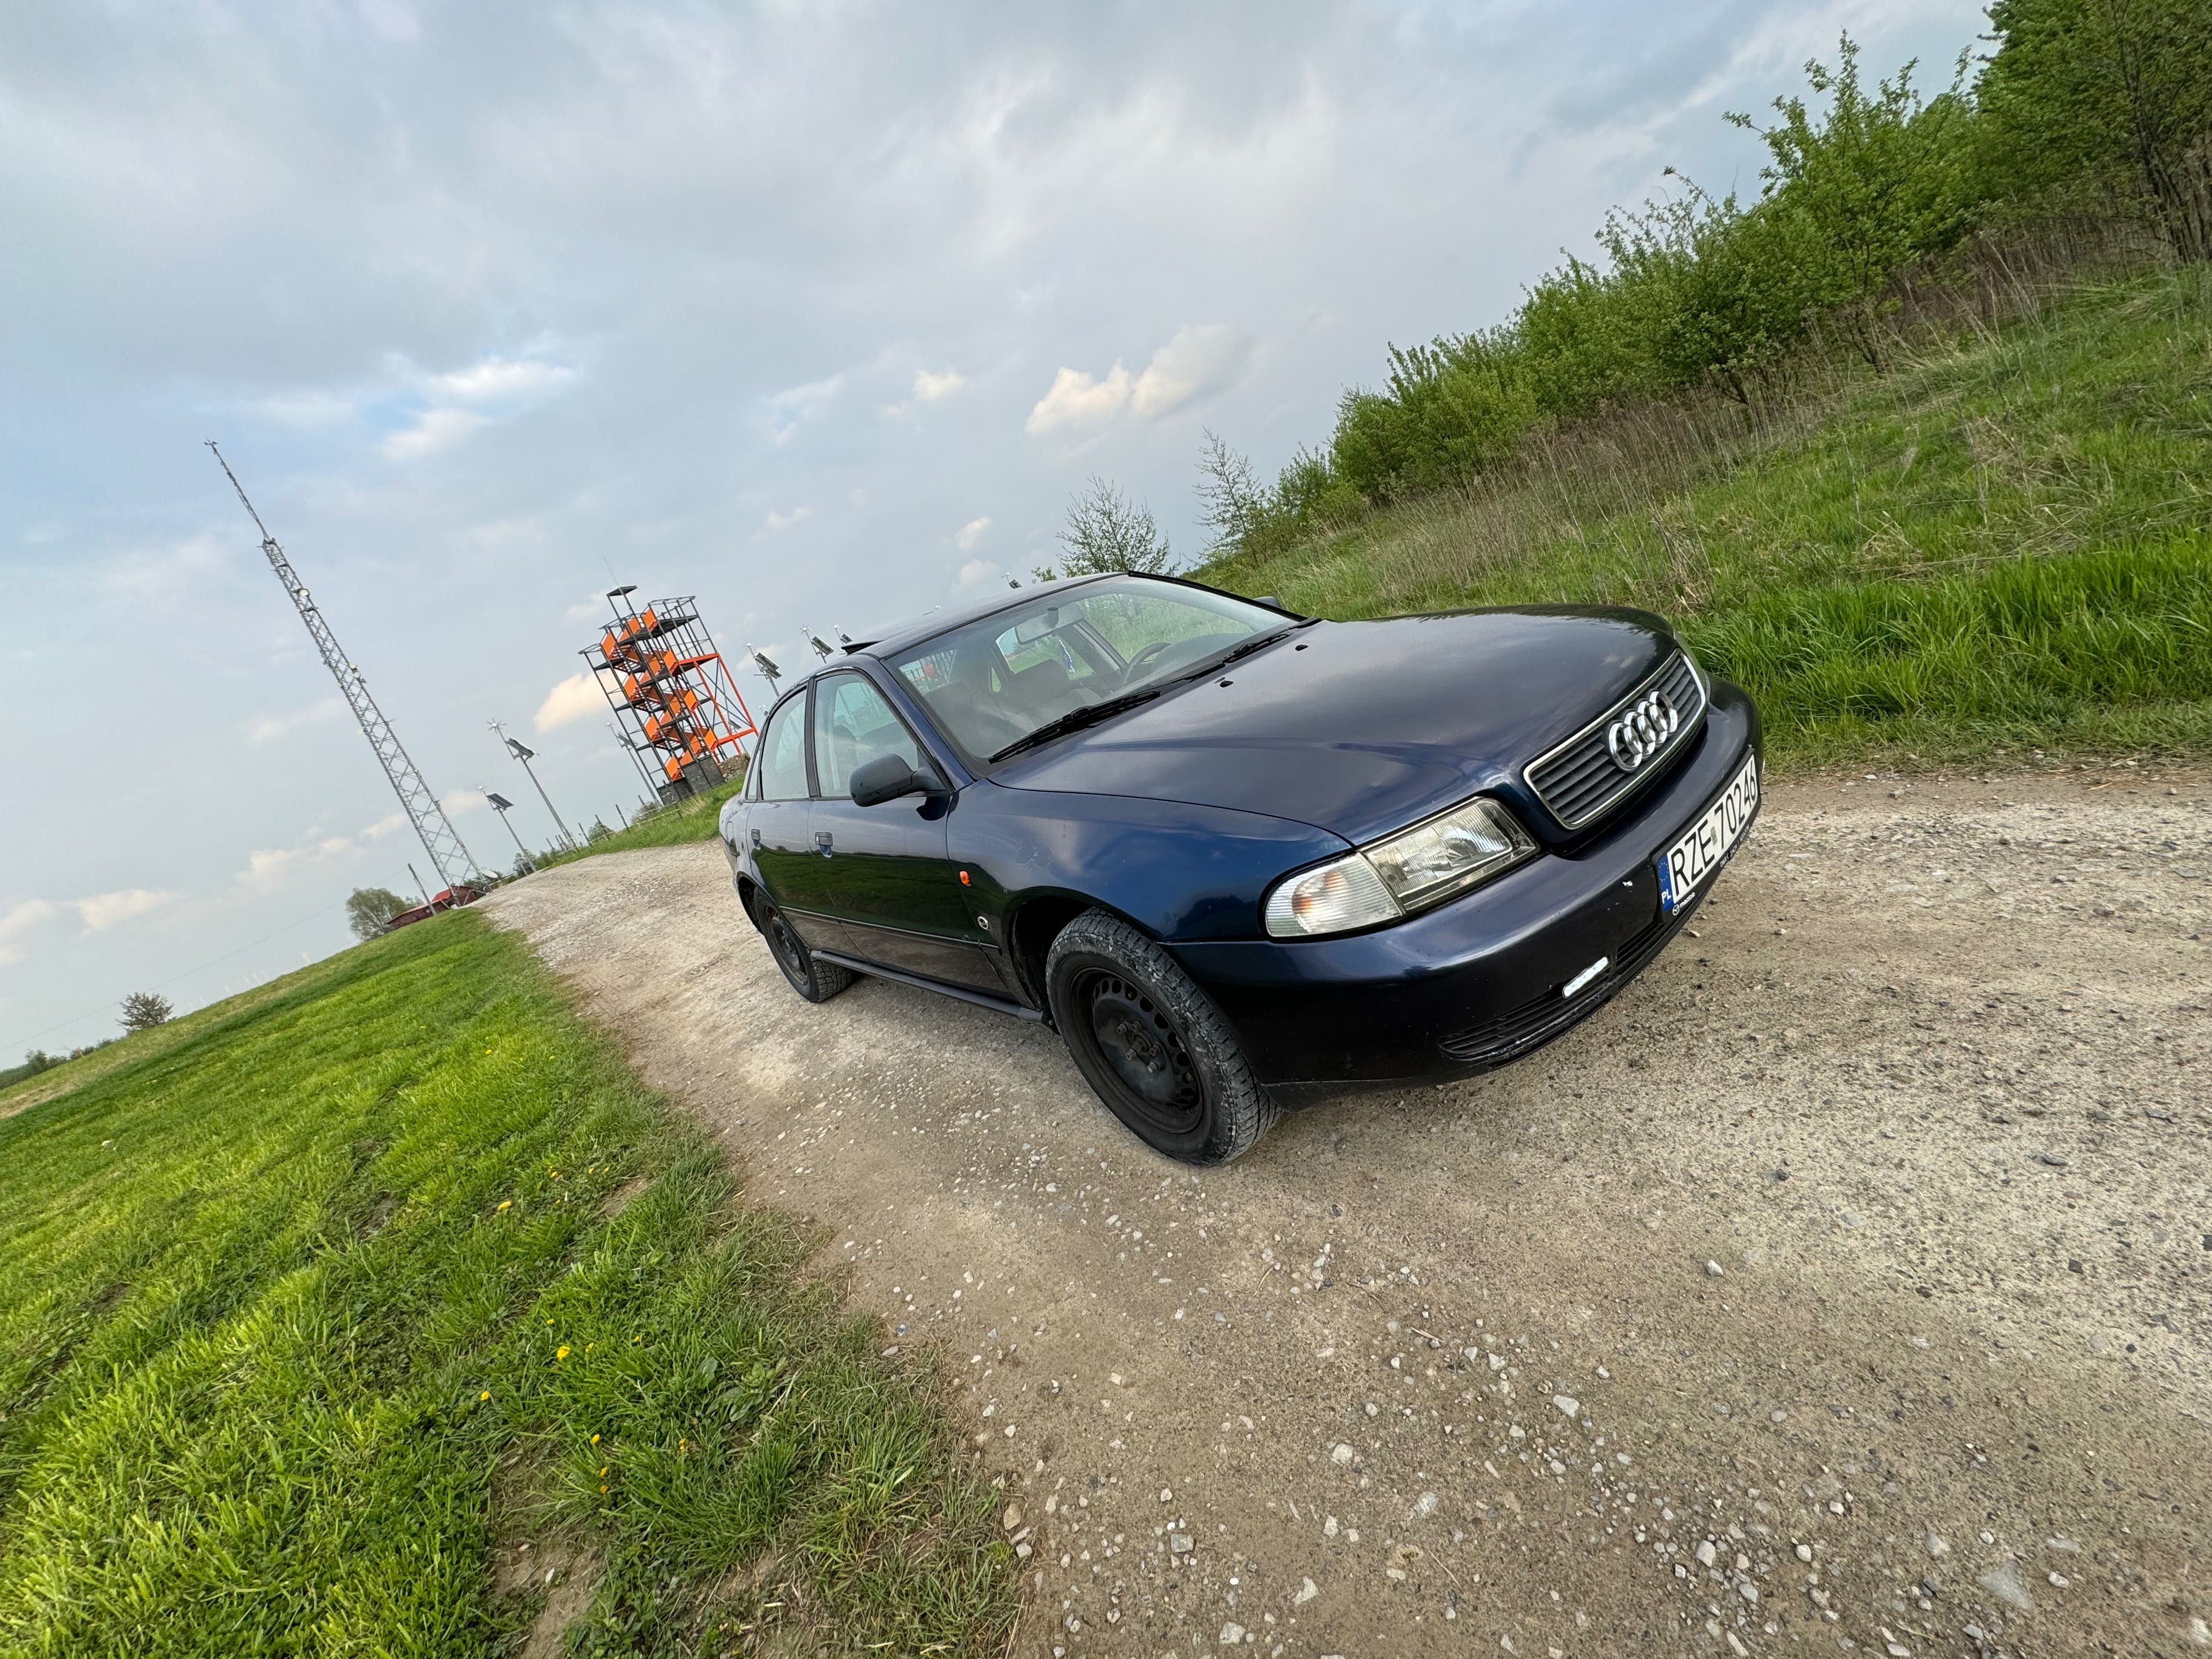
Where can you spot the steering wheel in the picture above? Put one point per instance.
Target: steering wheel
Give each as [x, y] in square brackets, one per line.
[1143, 657]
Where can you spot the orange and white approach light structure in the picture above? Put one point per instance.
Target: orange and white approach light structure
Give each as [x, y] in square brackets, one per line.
[679, 710]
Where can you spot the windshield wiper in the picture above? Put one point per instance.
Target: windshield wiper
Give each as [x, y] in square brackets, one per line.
[1213, 664]
[1075, 720]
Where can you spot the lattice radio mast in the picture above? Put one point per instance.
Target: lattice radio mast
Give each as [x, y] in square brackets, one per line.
[448, 856]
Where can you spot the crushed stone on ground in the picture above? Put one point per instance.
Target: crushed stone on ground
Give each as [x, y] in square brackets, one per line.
[1841, 1287]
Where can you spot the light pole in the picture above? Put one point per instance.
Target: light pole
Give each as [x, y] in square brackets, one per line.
[522, 752]
[502, 805]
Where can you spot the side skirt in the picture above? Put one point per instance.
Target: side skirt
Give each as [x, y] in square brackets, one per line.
[960, 993]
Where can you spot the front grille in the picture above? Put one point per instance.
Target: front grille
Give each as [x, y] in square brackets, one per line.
[1533, 1025]
[1579, 780]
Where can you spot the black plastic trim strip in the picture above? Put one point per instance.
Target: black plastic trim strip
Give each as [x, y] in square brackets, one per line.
[959, 993]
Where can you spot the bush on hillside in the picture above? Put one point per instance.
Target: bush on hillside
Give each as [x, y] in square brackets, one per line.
[2108, 100]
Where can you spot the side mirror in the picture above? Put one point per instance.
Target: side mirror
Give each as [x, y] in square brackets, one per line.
[887, 777]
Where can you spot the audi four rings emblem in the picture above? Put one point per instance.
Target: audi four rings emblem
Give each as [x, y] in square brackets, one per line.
[1643, 731]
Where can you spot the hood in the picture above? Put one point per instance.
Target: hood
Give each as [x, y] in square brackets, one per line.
[1371, 725]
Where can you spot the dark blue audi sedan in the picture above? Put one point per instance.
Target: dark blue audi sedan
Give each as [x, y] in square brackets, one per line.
[1241, 859]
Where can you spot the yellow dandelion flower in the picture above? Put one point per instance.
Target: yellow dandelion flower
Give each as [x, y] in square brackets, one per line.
[560, 1353]
[486, 1394]
[506, 1204]
[602, 1487]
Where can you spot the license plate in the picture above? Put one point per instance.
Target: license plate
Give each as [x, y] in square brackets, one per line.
[1706, 844]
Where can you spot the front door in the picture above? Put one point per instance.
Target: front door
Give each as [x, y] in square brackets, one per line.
[891, 881]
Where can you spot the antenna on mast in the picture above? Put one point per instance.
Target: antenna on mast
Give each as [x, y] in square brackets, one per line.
[448, 857]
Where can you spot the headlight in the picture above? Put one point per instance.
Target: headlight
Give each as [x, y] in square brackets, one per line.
[1408, 871]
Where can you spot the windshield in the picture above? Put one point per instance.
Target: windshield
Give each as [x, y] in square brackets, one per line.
[990, 684]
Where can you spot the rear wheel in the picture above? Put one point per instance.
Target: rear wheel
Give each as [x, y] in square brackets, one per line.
[1149, 1042]
[815, 980]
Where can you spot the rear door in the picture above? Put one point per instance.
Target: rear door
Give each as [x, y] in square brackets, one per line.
[780, 823]
[892, 884]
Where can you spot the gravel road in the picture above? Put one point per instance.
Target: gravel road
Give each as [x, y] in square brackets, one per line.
[1845, 1284]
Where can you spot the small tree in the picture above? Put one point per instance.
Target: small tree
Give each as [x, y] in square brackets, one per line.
[143, 1010]
[1230, 504]
[369, 910]
[1106, 530]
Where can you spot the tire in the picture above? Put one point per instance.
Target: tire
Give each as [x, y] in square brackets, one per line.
[1151, 1045]
[813, 978]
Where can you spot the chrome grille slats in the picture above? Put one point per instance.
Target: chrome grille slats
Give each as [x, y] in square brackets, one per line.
[1578, 781]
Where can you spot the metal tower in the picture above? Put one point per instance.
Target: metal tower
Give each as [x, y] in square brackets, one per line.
[448, 857]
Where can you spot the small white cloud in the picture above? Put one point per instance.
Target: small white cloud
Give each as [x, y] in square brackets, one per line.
[1076, 399]
[785, 520]
[462, 800]
[1197, 363]
[934, 388]
[795, 403]
[267, 728]
[104, 911]
[390, 825]
[20, 919]
[497, 377]
[976, 572]
[971, 532]
[434, 429]
[305, 409]
[575, 698]
[272, 867]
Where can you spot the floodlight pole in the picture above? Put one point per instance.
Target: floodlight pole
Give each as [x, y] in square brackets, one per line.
[524, 753]
[501, 804]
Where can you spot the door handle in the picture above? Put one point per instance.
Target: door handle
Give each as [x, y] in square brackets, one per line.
[822, 842]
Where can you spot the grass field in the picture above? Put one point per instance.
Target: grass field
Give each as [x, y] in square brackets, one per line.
[694, 820]
[2004, 540]
[311, 1301]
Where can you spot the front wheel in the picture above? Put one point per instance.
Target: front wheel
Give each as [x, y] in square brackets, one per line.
[1151, 1045]
[813, 978]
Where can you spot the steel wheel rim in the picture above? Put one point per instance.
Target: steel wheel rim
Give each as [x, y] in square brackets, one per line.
[784, 943]
[1142, 1052]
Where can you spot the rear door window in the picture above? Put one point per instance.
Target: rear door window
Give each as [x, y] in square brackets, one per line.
[783, 753]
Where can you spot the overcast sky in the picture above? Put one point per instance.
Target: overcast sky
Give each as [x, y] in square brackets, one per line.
[819, 312]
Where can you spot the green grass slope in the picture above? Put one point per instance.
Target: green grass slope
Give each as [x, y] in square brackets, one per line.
[2004, 540]
[307, 1301]
[689, 821]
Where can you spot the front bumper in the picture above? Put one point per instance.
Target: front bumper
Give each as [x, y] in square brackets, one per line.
[1476, 982]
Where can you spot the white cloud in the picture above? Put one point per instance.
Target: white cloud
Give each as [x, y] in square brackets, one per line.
[19, 918]
[458, 801]
[267, 728]
[578, 697]
[976, 572]
[787, 409]
[434, 429]
[498, 378]
[1199, 361]
[971, 532]
[935, 387]
[271, 867]
[1077, 399]
[390, 825]
[784, 521]
[1196, 363]
[305, 409]
[587, 609]
[104, 911]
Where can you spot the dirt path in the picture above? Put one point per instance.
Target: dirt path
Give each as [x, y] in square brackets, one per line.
[1847, 1284]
